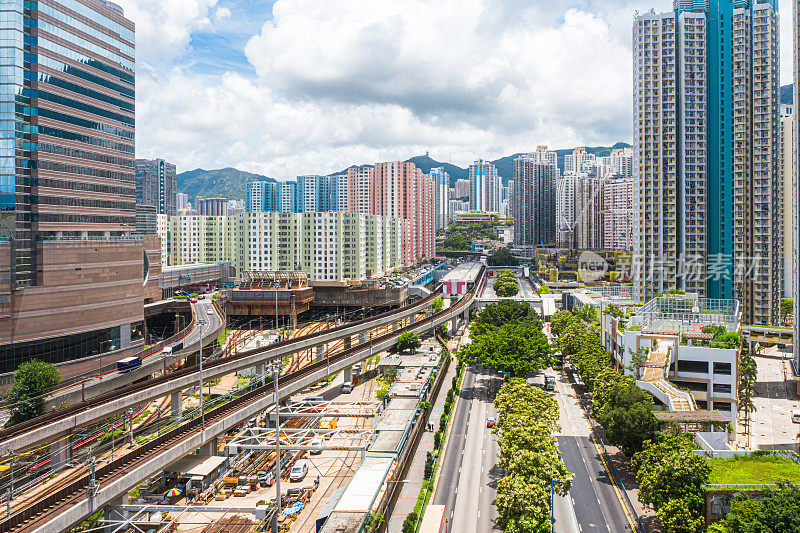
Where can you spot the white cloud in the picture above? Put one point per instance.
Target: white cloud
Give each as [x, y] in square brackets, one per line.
[163, 28]
[353, 81]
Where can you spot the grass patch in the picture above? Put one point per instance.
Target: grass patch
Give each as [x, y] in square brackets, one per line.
[753, 470]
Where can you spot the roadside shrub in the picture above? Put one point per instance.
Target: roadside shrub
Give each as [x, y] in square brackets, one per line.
[428, 466]
[410, 523]
[437, 439]
[443, 422]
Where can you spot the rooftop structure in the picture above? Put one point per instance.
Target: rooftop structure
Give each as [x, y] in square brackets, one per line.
[686, 313]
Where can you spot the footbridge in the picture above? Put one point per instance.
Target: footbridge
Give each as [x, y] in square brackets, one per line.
[109, 483]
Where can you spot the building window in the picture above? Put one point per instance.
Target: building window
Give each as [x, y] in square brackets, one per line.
[722, 406]
[722, 388]
[688, 365]
[722, 369]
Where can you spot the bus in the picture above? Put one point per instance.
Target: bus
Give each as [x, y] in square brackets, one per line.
[129, 363]
[434, 520]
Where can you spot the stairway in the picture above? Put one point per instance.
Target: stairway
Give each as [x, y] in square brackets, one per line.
[654, 374]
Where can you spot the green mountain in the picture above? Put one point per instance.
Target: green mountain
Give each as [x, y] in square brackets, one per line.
[223, 182]
[230, 183]
[505, 165]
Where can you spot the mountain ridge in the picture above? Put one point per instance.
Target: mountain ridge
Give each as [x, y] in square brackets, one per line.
[230, 182]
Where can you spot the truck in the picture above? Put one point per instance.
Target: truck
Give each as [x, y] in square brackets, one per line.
[549, 381]
[129, 363]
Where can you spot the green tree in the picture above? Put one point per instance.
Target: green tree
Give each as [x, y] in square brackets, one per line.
[787, 309]
[522, 506]
[614, 310]
[668, 469]
[504, 312]
[676, 516]
[518, 348]
[32, 381]
[457, 241]
[437, 305]
[410, 523]
[777, 512]
[748, 373]
[560, 320]
[545, 289]
[626, 415]
[502, 257]
[408, 341]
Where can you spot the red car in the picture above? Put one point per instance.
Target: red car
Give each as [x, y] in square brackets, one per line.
[193, 300]
[491, 422]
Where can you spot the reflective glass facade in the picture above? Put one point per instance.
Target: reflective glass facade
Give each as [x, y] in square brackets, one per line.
[66, 124]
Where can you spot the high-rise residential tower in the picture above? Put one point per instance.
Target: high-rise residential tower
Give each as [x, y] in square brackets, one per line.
[533, 199]
[441, 180]
[70, 267]
[359, 183]
[262, 196]
[484, 187]
[400, 189]
[706, 152]
[787, 164]
[156, 185]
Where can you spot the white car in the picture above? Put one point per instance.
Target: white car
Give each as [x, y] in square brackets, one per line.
[210, 311]
[317, 443]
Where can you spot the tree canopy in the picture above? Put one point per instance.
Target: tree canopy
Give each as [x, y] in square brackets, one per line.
[503, 312]
[502, 257]
[668, 470]
[529, 456]
[408, 341]
[518, 348]
[777, 512]
[624, 410]
[560, 320]
[32, 381]
[506, 284]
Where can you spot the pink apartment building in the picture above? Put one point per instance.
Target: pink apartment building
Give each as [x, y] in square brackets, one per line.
[401, 190]
[359, 184]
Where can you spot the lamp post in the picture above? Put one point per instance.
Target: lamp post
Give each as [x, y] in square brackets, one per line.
[276, 367]
[552, 499]
[387, 497]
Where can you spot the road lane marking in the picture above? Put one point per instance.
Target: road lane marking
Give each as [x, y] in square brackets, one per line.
[614, 484]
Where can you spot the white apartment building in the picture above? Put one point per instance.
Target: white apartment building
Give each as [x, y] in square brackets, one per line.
[162, 229]
[328, 246]
[565, 210]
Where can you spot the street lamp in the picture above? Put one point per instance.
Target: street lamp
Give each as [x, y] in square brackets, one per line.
[276, 367]
[552, 499]
[387, 497]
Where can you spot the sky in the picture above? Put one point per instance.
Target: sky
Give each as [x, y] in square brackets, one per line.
[290, 87]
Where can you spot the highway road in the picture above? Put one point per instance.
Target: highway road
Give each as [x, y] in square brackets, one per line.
[593, 503]
[469, 474]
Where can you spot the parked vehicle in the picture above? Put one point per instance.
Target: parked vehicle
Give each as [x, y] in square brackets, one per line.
[491, 422]
[796, 417]
[316, 442]
[129, 363]
[299, 471]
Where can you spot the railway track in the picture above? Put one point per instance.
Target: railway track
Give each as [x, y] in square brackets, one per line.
[36, 423]
[37, 514]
